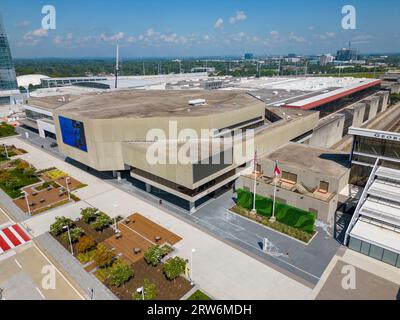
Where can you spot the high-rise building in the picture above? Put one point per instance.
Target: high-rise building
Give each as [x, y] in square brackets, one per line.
[8, 81]
[325, 59]
[347, 54]
[248, 56]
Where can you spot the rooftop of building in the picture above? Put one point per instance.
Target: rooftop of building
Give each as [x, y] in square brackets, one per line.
[156, 103]
[318, 160]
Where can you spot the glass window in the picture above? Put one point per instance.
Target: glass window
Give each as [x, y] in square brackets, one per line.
[376, 252]
[365, 248]
[389, 257]
[398, 261]
[355, 244]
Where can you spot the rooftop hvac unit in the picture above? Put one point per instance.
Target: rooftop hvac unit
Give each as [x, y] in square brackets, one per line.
[197, 102]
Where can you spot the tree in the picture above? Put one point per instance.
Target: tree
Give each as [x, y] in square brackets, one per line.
[103, 257]
[154, 254]
[88, 214]
[85, 244]
[173, 267]
[150, 291]
[57, 227]
[119, 273]
[74, 233]
[102, 221]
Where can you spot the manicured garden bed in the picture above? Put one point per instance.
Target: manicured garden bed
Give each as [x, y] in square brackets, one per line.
[7, 130]
[166, 289]
[278, 226]
[199, 295]
[286, 214]
[19, 176]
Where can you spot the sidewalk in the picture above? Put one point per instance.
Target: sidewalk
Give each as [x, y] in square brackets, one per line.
[72, 269]
[223, 271]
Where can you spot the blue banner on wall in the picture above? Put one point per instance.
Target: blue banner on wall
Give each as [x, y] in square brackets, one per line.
[73, 133]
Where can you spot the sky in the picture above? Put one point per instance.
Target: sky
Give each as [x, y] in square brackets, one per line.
[181, 28]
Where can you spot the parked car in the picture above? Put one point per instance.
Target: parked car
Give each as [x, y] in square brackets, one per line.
[53, 145]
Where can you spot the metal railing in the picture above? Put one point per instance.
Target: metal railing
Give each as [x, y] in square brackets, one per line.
[362, 200]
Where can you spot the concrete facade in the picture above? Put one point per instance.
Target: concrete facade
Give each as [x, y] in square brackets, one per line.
[373, 103]
[328, 132]
[305, 172]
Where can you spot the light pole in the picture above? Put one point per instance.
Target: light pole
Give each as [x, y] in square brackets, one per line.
[5, 149]
[141, 290]
[91, 294]
[191, 265]
[27, 202]
[115, 216]
[66, 182]
[69, 238]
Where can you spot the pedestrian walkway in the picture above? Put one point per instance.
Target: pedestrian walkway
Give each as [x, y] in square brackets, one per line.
[12, 237]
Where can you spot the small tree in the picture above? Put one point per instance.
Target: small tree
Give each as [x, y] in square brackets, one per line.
[103, 257]
[173, 267]
[88, 214]
[119, 273]
[150, 291]
[154, 254]
[85, 244]
[57, 227]
[75, 234]
[102, 221]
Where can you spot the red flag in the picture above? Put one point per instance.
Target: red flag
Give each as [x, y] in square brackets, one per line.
[277, 171]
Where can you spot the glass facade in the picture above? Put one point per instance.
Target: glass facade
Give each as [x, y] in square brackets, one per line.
[377, 147]
[375, 252]
[8, 79]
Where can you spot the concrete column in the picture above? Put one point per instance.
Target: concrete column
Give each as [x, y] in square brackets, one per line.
[114, 174]
[192, 208]
[118, 176]
[148, 187]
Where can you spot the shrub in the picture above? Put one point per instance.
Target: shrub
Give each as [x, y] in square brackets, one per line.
[119, 273]
[75, 234]
[85, 244]
[154, 254]
[57, 227]
[87, 256]
[174, 267]
[102, 221]
[103, 257]
[150, 291]
[88, 214]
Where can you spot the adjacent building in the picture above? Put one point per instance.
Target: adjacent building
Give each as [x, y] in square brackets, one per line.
[347, 54]
[8, 81]
[311, 178]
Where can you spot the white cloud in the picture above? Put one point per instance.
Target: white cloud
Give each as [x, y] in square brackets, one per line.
[240, 16]
[32, 38]
[274, 34]
[206, 37]
[219, 23]
[67, 40]
[311, 28]
[294, 37]
[112, 38]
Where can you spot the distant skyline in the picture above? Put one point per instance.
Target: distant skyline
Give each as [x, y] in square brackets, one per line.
[159, 28]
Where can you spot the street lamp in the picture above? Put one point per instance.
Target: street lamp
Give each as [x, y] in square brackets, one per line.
[5, 149]
[141, 290]
[115, 216]
[66, 182]
[191, 265]
[27, 202]
[66, 227]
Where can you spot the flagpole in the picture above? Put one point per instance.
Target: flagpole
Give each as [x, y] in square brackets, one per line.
[276, 172]
[255, 184]
[273, 219]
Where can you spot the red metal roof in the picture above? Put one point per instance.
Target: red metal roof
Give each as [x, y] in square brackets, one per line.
[318, 103]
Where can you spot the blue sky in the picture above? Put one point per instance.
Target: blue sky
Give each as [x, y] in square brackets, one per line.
[198, 28]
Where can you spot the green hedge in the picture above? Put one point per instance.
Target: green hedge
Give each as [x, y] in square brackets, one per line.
[297, 218]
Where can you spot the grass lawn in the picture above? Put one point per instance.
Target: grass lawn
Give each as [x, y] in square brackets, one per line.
[55, 174]
[6, 130]
[11, 181]
[199, 295]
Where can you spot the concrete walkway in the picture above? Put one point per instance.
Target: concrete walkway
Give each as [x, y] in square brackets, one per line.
[218, 268]
[74, 271]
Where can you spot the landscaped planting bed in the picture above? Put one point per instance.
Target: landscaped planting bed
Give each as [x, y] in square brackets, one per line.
[166, 289]
[7, 130]
[294, 222]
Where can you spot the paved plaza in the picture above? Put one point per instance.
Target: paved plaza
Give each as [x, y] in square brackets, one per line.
[218, 268]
